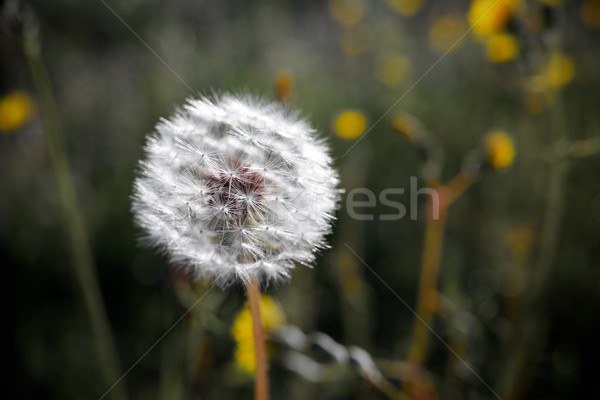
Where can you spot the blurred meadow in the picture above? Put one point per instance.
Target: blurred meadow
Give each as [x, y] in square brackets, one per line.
[494, 104]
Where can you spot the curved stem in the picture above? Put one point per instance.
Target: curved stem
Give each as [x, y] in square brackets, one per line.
[261, 386]
[430, 268]
[432, 250]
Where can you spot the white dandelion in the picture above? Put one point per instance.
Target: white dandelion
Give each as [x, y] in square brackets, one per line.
[236, 188]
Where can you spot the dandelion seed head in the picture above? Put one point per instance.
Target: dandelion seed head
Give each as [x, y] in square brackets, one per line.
[234, 188]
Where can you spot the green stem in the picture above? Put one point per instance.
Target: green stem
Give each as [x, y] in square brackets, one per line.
[73, 220]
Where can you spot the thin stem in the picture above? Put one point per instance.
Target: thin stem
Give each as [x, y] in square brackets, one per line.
[261, 386]
[427, 301]
[457, 186]
[73, 220]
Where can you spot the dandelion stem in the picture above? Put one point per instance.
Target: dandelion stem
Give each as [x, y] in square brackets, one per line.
[73, 220]
[261, 386]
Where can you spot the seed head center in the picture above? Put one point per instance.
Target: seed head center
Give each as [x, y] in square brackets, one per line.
[233, 191]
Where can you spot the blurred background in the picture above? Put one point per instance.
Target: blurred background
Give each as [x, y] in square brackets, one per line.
[499, 98]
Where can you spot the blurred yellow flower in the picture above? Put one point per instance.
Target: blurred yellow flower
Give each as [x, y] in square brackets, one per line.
[501, 47]
[347, 12]
[242, 331]
[406, 7]
[590, 13]
[284, 82]
[392, 69]
[559, 71]
[15, 109]
[499, 149]
[491, 16]
[350, 124]
[445, 33]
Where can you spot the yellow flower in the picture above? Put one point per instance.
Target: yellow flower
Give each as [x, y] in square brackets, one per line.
[350, 124]
[347, 12]
[499, 149]
[242, 331]
[501, 47]
[406, 7]
[491, 16]
[15, 109]
[284, 82]
[445, 33]
[590, 13]
[560, 70]
[392, 69]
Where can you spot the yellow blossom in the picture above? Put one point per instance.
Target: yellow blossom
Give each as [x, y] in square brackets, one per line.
[445, 33]
[347, 12]
[499, 149]
[242, 331]
[590, 13]
[406, 7]
[284, 82]
[559, 71]
[15, 109]
[350, 124]
[501, 47]
[491, 16]
[392, 69]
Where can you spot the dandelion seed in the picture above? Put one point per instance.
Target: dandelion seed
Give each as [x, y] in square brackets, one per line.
[236, 189]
